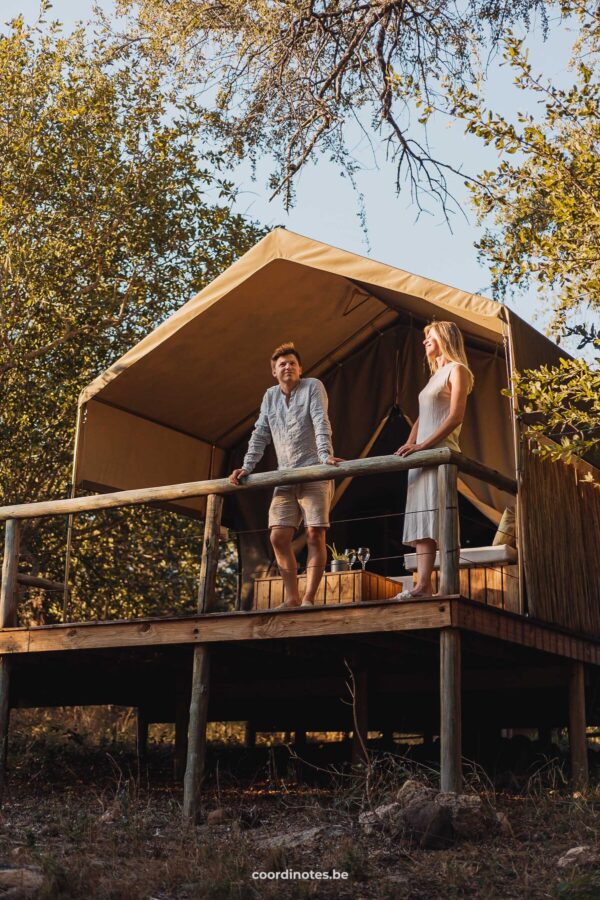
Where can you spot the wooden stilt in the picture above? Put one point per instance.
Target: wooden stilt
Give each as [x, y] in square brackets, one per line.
[577, 726]
[544, 734]
[300, 753]
[299, 739]
[196, 749]
[4, 717]
[141, 730]
[8, 618]
[196, 744]
[182, 722]
[450, 711]
[361, 716]
[250, 736]
[449, 544]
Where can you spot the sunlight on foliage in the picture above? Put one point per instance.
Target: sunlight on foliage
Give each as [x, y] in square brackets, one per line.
[111, 215]
[544, 201]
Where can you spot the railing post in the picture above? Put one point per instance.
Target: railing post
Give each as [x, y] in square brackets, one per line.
[8, 618]
[210, 553]
[449, 545]
[196, 744]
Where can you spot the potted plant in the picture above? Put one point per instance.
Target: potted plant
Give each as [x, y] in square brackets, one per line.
[340, 562]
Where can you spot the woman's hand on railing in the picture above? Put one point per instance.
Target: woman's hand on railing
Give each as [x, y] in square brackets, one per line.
[334, 460]
[407, 449]
[235, 476]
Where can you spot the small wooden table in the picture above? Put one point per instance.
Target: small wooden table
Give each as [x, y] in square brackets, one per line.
[335, 587]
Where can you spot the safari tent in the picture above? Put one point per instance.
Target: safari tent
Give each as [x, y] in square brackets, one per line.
[180, 405]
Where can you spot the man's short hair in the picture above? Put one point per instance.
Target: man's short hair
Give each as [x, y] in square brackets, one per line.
[287, 349]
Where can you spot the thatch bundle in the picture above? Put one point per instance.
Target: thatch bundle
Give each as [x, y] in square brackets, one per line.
[560, 541]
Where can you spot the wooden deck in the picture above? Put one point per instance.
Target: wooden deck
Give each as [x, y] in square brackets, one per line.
[367, 617]
[279, 668]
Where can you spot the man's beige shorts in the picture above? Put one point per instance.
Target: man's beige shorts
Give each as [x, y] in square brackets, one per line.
[295, 503]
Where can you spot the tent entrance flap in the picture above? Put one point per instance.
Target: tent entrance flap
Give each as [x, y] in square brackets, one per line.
[119, 450]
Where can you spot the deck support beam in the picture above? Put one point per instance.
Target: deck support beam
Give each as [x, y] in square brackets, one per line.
[8, 619]
[577, 726]
[196, 743]
[450, 711]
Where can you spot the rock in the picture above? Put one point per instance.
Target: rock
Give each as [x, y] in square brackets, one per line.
[217, 816]
[416, 810]
[428, 825]
[471, 818]
[249, 817]
[396, 879]
[20, 882]
[380, 817]
[413, 790]
[503, 824]
[297, 838]
[109, 815]
[579, 856]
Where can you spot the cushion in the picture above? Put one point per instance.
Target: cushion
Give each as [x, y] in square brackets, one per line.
[507, 529]
[499, 555]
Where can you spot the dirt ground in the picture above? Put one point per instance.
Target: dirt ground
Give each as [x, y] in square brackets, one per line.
[91, 823]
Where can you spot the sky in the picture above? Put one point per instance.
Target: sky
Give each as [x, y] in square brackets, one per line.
[327, 209]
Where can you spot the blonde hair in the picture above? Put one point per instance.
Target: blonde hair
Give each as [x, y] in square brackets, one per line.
[452, 346]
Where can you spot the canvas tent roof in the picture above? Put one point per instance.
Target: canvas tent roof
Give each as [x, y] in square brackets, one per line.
[174, 406]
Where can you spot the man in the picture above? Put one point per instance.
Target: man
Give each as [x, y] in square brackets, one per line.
[293, 415]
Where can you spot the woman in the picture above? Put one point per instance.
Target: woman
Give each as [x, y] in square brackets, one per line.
[442, 404]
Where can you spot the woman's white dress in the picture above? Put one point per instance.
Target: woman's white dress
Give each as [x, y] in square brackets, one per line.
[421, 518]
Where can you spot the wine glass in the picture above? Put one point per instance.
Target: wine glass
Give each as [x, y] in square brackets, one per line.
[350, 556]
[364, 555]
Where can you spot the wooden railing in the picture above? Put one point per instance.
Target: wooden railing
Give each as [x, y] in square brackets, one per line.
[447, 461]
[449, 464]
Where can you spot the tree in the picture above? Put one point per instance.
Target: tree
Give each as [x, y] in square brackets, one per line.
[544, 203]
[287, 78]
[105, 228]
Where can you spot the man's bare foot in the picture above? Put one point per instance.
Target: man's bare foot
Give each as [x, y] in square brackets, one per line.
[288, 604]
[306, 602]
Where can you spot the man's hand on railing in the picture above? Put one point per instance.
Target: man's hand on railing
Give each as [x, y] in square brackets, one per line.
[235, 476]
[407, 449]
[334, 460]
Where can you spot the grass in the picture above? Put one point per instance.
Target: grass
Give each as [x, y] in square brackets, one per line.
[78, 808]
